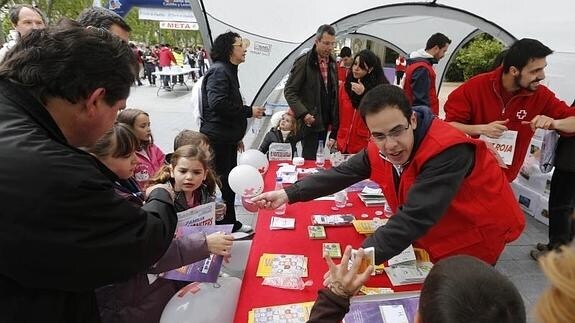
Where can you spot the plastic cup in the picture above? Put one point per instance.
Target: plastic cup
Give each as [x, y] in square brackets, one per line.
[220, 211]
[340, 199]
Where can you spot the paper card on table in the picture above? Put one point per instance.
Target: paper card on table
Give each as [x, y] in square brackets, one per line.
[332, 220]
[278, 265]
[316, 232]
[296, 313]
[332, 249]
[371, 191]
[504, 145]
[278, 223]
[375, 290]
[368, 259]
[204, 214]
[393, 314]
[205, 270]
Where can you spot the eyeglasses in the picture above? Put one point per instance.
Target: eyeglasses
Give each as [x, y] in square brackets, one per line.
[394, 134]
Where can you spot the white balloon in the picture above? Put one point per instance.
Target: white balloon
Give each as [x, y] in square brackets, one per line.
[204, 302]
[255, 158]
[245, 180]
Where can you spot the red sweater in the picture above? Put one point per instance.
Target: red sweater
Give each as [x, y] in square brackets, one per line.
[482, 217]
[478, 101]
[352, 133]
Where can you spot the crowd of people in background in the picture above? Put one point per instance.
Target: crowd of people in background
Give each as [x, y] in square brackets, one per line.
[160, 56]
[107, 192]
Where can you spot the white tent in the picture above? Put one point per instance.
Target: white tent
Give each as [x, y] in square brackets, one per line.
[279, 30]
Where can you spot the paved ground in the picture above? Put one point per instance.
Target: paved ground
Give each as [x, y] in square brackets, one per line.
[170, 113]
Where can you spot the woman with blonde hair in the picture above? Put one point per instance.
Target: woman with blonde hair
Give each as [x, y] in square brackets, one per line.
[557, 304]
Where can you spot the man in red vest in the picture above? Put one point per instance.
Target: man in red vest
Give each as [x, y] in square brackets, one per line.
[419, 84]
[510, 101]
[447, 192]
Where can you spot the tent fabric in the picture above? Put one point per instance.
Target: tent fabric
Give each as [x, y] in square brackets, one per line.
[279, 30]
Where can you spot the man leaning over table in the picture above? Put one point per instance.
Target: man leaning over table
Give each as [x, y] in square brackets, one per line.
[447, 192]
[510, 99]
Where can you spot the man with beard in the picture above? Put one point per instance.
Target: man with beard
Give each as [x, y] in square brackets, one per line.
[510, 100]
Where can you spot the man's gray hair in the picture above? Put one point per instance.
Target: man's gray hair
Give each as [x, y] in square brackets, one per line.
[324, 29]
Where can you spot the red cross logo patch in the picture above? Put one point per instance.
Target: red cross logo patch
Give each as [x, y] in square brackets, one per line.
[521, 114]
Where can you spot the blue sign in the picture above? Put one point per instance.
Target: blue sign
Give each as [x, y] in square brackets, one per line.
[122, 7]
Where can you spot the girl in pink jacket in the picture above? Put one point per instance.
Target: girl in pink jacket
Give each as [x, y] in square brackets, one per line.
[150, 157]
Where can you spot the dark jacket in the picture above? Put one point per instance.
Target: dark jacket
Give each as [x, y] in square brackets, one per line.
[565, 154]
[142, 298]
[305, 92]
[328, 307]
[63, 229]
[275, 135]
[223, 113]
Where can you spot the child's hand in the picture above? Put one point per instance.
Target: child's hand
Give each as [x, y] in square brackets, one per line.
[220, 243]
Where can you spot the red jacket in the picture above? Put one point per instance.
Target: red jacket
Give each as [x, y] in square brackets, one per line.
[166, 57]
[431, 93]
[342, 73]
[481, 218]
[478, 101]
[352, 133]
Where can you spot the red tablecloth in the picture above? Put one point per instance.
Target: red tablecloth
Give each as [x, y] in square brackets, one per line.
[253, 294]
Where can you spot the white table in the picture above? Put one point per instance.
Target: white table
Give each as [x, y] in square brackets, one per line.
[171, 72]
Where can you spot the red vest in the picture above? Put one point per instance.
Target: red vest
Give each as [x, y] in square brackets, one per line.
[482, 217]
[432, 93]
[352, 134]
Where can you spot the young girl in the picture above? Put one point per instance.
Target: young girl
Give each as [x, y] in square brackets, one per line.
[285, 132]
[191, 174]
[150, 157]
[141, 299]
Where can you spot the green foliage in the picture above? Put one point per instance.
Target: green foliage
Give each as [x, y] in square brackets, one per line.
[478, 55]
[454, 73]
[144, 31]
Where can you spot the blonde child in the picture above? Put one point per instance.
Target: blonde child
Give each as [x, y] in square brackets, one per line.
[150, 157]
[141, 299]
[285, 132]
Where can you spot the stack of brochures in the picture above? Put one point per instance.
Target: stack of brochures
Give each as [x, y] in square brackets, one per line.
[372, 197]
[411, 266]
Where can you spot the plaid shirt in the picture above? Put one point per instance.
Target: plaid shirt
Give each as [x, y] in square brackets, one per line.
[323, 68]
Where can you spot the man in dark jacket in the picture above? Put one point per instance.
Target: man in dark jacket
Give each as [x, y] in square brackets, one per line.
[224, 115]
[63, 229]
[311, 92]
